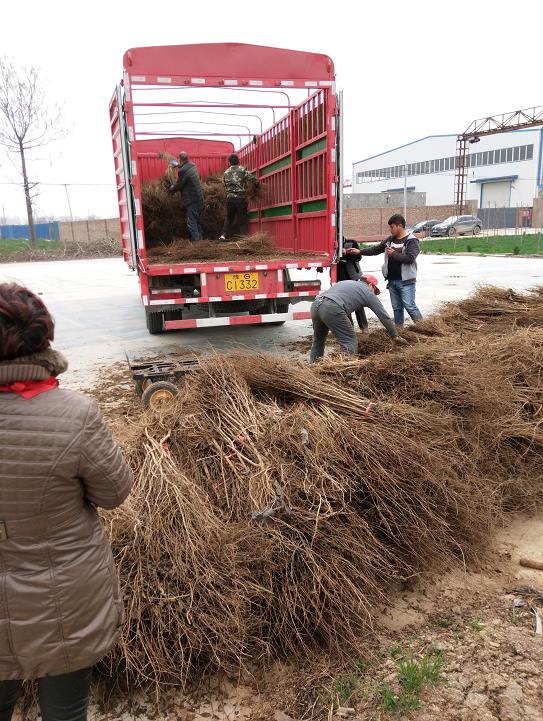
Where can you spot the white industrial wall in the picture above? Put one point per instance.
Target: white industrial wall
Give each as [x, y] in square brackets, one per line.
[439, 186]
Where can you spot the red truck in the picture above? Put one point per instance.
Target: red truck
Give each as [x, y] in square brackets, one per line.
[296, 159]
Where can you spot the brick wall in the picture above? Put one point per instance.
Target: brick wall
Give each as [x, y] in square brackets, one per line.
[82, 231]
[359, 222]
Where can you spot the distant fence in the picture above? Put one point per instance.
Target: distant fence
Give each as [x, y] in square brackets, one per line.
[506, 217]
[45, 231]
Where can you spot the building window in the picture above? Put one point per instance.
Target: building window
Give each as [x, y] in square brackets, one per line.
[509, 155]
[516, 153]
[485, 158]
[529, 152]
[503, 155]
[496, 156]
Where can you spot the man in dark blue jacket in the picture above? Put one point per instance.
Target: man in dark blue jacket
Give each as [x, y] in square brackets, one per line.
[399, 268]
[189, 185]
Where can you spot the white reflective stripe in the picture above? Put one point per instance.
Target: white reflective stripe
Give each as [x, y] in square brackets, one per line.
[237, 297]
[131, 133]
[189, 270]
[260, 295]
[133, 168]
[311, 83]
[198, 81]
[137, 205]
[203, 280]
[230, 82]
[215, 299]
[163, 80]
[305, 292]
[192, 300]
[138, 78]
[287, 83]
[140, 239]
[261, 267]
[171, 301]
[127, 93]
[333, 220]
[291, 265]
[255, 82]
[326, 83]
[333, 123]
[333, 155]
[220, 269]
[282, 295]
[171, 271]
[279, 274]
[333, 189]
[145, 300]
[314, 265]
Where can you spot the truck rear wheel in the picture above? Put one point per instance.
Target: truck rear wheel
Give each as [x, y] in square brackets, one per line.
[155, 322]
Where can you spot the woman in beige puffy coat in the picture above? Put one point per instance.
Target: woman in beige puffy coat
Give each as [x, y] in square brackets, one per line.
[60, 605]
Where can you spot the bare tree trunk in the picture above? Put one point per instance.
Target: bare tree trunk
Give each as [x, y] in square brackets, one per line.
[28, 199]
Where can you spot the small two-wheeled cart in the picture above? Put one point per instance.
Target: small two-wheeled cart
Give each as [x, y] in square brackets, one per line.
[157, 382]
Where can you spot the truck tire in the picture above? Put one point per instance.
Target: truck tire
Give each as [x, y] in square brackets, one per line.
[155, 322]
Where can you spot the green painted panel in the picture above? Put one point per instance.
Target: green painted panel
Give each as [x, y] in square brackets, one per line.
[312, 207]
[283, 163]
[274, 212]
[312, 149]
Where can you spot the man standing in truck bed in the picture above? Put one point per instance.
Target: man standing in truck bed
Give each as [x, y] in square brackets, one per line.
[189, 185]
[237, 181]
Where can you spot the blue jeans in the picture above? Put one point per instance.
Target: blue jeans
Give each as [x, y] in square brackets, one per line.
[402, 296]
[194, 210]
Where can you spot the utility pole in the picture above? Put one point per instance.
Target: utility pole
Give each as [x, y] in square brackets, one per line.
[405, 190]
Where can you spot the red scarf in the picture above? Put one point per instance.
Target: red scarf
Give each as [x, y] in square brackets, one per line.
[29, 389]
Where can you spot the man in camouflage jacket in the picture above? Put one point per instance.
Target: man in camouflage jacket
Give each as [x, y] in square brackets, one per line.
[237, 180]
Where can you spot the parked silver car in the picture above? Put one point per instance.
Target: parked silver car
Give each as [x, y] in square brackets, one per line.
[458, 225]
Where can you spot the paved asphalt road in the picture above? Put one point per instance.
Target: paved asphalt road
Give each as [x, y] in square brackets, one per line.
[99, 315]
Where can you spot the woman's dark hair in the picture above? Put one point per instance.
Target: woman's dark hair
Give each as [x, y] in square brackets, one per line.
[26, 326]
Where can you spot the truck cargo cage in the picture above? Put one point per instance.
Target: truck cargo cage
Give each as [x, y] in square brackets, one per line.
[278, 110]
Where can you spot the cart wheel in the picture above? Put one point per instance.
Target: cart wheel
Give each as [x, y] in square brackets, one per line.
[158, 395]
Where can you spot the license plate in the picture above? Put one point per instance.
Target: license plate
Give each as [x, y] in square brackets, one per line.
[240, 281]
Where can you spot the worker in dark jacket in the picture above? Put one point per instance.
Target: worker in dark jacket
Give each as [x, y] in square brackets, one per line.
[399, 268]
[61, 608]
[189, 185]
[331, 309]
[237, 181]
[348, 268]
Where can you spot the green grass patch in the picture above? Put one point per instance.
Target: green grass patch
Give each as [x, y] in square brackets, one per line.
[413, 675]
[347, 685]
[515, 244]
[16, 245]
[476, 624]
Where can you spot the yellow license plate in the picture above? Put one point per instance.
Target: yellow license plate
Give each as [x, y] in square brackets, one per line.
[240, 281]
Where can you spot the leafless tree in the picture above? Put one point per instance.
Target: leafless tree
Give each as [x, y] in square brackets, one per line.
[27, 122]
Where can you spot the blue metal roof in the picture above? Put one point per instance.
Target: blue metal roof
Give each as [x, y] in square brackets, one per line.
[499, 179]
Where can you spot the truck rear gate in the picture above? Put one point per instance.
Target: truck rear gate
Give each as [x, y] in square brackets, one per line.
[296, 161]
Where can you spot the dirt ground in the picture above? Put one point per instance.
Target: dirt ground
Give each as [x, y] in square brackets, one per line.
[490, 671]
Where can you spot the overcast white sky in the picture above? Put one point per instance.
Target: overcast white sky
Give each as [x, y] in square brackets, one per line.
[408, 69]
